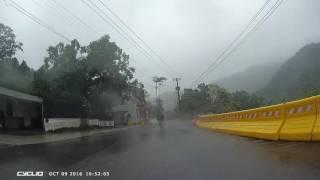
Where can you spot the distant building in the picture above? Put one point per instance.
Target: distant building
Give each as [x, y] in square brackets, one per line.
[122, 112]
[20, 110]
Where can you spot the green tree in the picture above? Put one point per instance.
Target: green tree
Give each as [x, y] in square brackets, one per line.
[210, 98]
[221, 99]
[13, 74]
[195, 101]
[24, 68]
[108, 68]
[92, 74]
[8, 44]
[243, 100]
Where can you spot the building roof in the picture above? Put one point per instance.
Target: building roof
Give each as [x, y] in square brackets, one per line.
[20, 95]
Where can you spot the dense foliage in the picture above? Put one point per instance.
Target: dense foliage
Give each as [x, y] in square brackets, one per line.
[297, 78]
[13, 74]
[210, 98]
[96, 76]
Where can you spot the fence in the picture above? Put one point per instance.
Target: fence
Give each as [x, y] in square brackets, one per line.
[59, 123]
[293, 121]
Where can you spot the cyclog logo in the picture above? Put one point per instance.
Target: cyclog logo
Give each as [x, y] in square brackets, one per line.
[30, 173]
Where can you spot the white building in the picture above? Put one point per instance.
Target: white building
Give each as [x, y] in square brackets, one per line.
[20, 110]
[121, 111]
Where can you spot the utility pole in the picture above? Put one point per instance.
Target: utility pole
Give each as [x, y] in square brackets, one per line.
[177, 80]
[156, 91]
[158, 81]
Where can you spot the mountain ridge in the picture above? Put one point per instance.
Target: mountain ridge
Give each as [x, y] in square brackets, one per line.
[251, 79]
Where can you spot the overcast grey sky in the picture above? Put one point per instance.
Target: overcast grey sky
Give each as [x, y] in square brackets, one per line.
[187, 34]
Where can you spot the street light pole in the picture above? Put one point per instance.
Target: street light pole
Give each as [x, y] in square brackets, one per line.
[178, 88]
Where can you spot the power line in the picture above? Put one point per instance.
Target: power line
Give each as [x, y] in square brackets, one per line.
[122, 33]
[69, 20]
[57, 15]
[235, 40]
[214, 65]
[135, 34]
[105, 20]
[41, 23]
[86, 25]
[145, 73]
[75, 17]
[37, 20]
[252, 31]
[145, 52]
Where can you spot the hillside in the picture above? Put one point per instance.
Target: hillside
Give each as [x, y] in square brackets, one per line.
[297, 77]
[251, 79]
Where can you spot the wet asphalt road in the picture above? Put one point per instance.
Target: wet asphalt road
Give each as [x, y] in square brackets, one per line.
[178, 151]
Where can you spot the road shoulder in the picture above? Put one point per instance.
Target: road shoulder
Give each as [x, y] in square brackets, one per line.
[14, 140]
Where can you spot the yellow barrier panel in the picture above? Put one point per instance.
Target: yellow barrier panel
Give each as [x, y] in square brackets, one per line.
[297, 120]
[206, 121]
[300, 119]
[264, 123]
[225, 119]
[316, 128]
[261, 123]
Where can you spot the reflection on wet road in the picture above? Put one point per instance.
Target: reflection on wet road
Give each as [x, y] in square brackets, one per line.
[178, 151]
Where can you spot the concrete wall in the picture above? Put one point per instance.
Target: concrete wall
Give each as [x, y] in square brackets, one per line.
[58, 123]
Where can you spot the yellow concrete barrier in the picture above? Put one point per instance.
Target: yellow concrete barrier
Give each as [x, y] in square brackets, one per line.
[206, 121]
[222, 122]
[293, 121]
[316, 128]
[264, 123]
[300, 120]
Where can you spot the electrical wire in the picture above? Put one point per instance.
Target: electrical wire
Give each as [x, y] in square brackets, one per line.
[135, 34]
[234, 41]
[122, 33]
[37, 20]
[252, 31]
